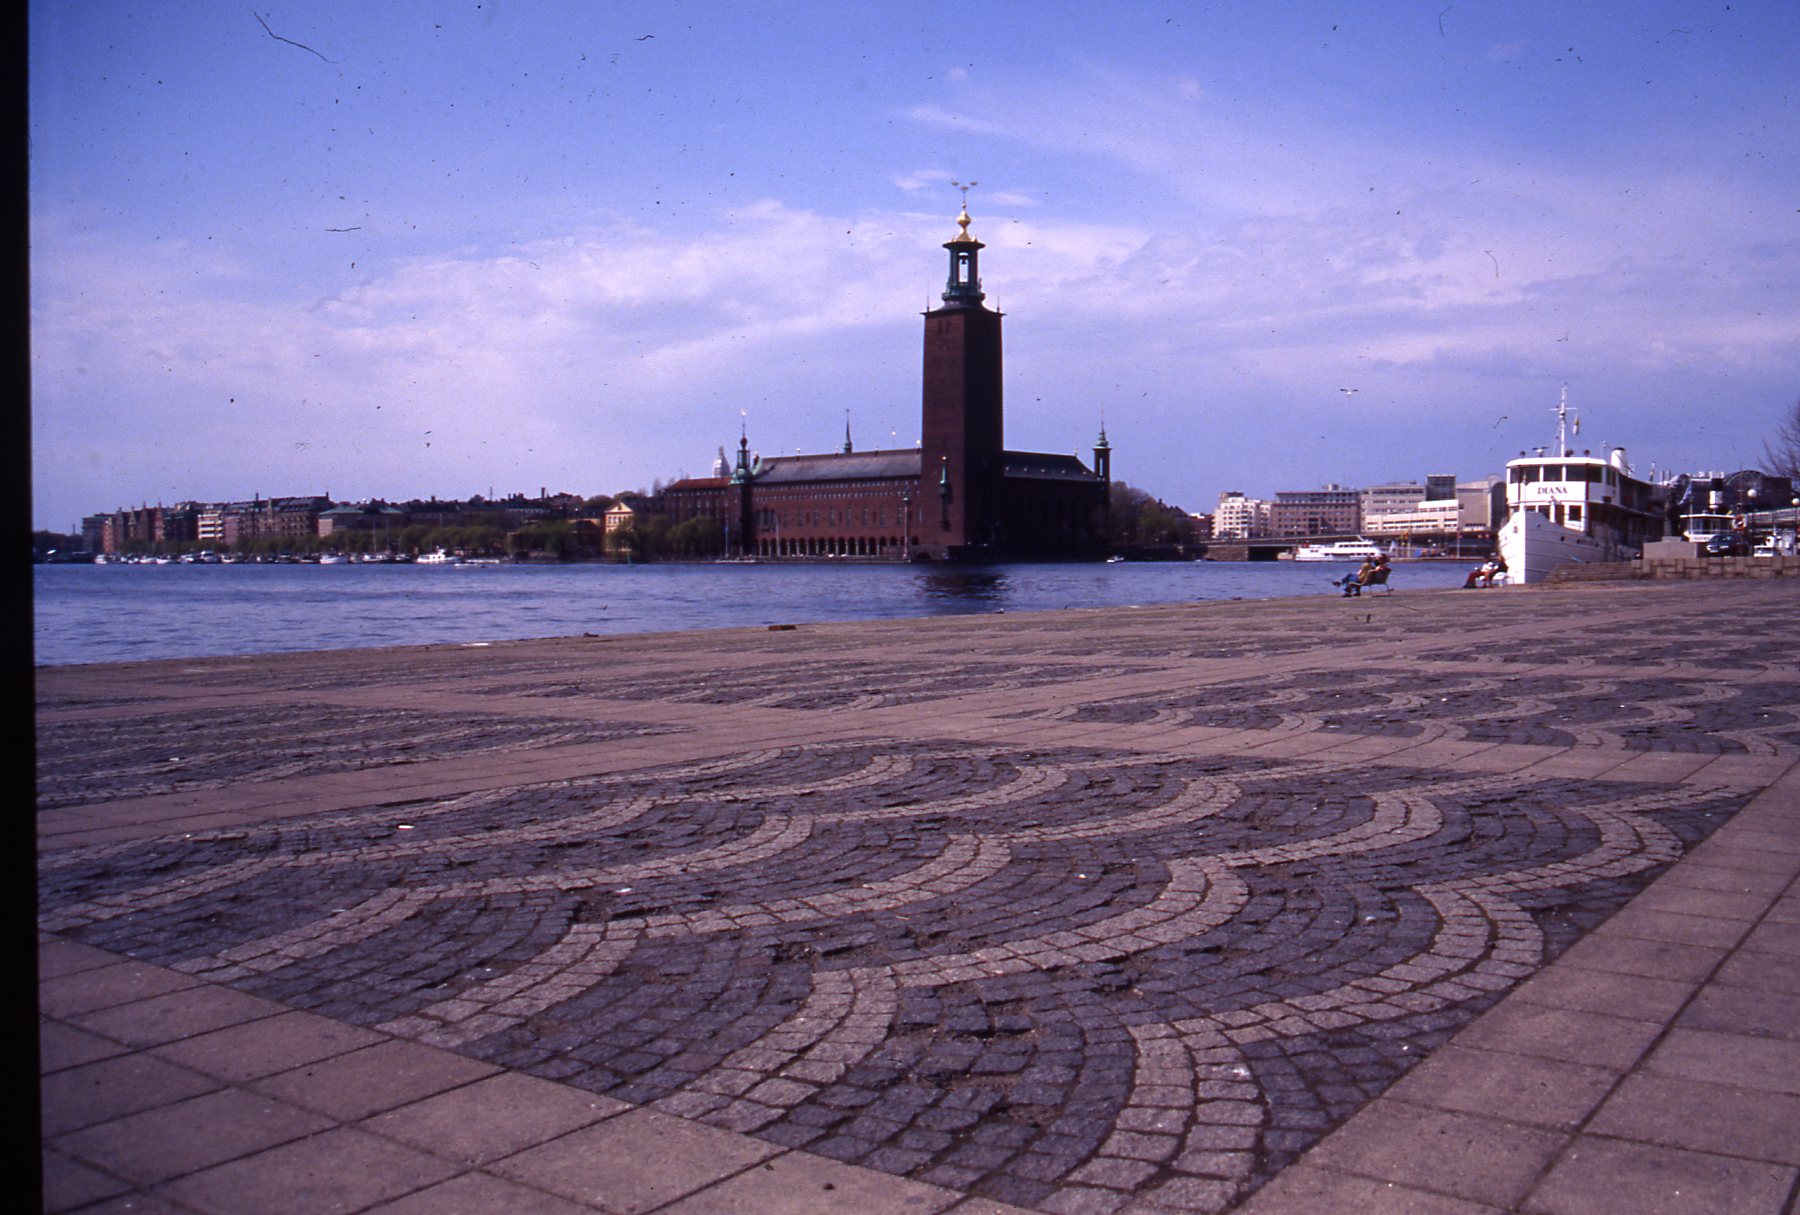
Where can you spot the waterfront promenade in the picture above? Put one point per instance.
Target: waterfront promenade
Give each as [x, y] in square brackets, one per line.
[1447, 902]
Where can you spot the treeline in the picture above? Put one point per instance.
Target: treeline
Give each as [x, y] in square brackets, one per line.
[650, 537]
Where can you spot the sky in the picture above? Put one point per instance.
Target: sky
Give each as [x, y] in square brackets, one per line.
[411, 250]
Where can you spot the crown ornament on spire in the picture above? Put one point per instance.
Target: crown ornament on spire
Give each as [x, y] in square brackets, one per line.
[963, 221]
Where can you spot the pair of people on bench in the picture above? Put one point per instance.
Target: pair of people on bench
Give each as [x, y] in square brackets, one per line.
[1374, 572]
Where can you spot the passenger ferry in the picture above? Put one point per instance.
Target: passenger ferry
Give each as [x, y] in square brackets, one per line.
[1567, 507]
[1358, 549]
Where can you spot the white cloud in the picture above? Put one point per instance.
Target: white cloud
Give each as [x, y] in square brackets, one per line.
[924, 179]
[1333, 240]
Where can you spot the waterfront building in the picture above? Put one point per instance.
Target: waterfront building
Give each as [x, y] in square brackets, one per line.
[1240, 518]
[179, 525]
[131, 530]
[959, 495]
[376, 517]
[1466, 521]
[1390, 498]
[623, 514]
[291, 521]
[287, 521]
[224, 524]
[1331, 511]
[143, 529]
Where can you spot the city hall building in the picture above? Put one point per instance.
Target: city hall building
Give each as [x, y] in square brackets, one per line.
[959, 496]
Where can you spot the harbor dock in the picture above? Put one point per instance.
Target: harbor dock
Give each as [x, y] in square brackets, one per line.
[1439, 903]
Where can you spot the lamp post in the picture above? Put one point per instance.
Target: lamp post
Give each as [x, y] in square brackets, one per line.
[906, 525]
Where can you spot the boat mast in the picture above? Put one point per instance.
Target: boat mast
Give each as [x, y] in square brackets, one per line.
[1563, 449]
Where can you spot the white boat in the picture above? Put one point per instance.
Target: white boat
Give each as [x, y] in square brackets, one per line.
[440, 557]
[1358, 549]
[1565, 507]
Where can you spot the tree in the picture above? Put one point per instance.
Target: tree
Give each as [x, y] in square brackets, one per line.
[645, 538]
[698, 537]
[1781, 453]
[1139, 519]
[553, 538]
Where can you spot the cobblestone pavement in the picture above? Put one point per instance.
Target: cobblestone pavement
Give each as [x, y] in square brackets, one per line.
[121, 756]
[1078, 912]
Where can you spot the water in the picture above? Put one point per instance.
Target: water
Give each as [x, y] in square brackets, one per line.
[107, 613]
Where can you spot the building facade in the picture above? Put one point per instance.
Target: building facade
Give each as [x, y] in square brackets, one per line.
[1240, 518]
[1466, 520]
[1331, 511]
[1390, 498]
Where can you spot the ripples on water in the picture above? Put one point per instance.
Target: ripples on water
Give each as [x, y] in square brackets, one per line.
[113, 613]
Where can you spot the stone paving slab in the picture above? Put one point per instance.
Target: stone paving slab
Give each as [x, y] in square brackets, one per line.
[1271, 907]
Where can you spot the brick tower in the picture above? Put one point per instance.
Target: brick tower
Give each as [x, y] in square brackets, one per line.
[963, 428]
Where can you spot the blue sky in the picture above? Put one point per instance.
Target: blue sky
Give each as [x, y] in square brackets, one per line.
[459, 248]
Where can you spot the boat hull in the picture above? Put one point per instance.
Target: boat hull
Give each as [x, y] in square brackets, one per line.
[1532, 546]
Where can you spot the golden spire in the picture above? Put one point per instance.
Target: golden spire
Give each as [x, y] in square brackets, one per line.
[964, 237]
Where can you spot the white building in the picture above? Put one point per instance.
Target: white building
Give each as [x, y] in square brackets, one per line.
[1473, 513]
[1240, 518]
